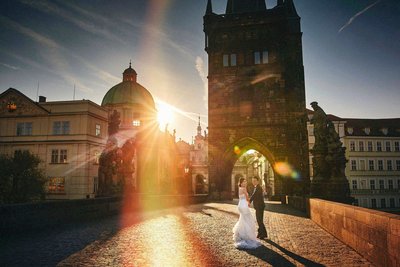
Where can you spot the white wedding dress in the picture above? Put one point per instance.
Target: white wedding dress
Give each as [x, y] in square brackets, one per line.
[244, 231]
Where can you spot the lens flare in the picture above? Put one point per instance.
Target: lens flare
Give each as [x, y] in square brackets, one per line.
[286, 170]
[237, 150]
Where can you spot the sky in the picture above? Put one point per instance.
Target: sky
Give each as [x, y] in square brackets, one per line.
[351, 51]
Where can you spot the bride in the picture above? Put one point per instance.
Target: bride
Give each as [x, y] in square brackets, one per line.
[244, 231]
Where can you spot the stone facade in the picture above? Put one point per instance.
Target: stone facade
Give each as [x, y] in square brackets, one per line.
[68, 136]
[256, 91]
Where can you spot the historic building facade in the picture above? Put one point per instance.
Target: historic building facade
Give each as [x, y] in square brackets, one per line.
[373, 168]
[68, 136]
[256, 90]
[373, 154]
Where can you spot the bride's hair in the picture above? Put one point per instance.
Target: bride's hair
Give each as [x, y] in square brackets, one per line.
[241, 181]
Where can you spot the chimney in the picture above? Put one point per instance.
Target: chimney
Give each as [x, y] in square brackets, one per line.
[42, 99]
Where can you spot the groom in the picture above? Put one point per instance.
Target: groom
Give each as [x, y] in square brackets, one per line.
[258, 204]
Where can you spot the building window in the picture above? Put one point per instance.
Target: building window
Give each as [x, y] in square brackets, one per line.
[388, 147]
[59, 156]
[24, 128]
[381, 184]
[391, 203]
[398, 165]
[380, 165]
[229, 60]
[372, 184]
[61, 127]
[383, 203]
[261, 57]
[373, 203]
[370, 146]
[63, 156]
[352, 146]
[371, 165]
[353, 165]
[98, 130]
[397, 146]
[56, 185]
[379, 146]
[361, 146]
[136, 123]
[389, 165]
[350, 130]
[354, 183]
[362, 164]
[54, 156]
[390, 184]
[233, 59]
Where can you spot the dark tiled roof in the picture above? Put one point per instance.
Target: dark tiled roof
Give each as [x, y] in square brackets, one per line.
[377, 127]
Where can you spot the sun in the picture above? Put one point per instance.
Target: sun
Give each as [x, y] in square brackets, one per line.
[165, 115]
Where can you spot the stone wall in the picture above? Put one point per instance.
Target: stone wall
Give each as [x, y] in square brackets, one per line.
[20, 218]
[373, 234]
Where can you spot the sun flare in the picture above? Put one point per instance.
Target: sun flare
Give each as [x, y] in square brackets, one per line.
[165, 115]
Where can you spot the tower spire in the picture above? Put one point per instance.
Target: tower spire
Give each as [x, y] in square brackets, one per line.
[290, 8]
[209, 8]
[199, 128]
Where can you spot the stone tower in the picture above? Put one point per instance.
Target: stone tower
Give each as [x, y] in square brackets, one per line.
[256, 91]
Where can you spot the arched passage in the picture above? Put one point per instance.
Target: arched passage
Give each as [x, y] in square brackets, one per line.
[235, 152]
[286, 178]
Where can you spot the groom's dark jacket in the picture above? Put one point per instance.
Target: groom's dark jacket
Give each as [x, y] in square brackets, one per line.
[257, 198]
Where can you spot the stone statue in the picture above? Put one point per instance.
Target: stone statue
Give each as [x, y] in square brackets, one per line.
[113, 123]
[116, 168]
[329, 161]
[320, 122]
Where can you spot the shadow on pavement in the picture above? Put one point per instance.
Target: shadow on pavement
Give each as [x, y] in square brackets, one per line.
[294, 256]
[270, 256]
[277, 207]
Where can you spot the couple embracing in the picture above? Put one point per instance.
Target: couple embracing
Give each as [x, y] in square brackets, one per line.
[244, 231]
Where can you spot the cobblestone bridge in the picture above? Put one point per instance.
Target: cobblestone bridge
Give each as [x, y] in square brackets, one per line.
[198, 235]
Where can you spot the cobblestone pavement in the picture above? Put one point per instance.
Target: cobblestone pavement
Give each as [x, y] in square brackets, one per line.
[198, 235]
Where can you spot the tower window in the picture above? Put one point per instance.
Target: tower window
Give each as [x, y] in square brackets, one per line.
[229, 60]
[136, 123]
[261, 57]
[233, 59]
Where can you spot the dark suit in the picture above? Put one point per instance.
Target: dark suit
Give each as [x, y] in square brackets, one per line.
[258, 203]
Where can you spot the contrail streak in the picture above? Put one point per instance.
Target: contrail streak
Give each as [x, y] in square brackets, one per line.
[356, 15]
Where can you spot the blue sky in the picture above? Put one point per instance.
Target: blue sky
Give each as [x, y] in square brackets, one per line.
[351, 52]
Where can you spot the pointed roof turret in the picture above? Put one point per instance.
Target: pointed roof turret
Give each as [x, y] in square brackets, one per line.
[245, 6]
[290, 8]
[209, 8]
[199, 128]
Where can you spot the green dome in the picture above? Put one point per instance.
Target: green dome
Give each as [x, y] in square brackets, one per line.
[128, 92]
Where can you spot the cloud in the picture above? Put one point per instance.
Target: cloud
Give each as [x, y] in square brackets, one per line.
[351, 20]
[56, 55]
[202, 73]
[28, 32]
[86, 26]
[9, 66]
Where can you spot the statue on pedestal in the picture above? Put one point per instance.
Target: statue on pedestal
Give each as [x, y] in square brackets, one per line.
[329, 161]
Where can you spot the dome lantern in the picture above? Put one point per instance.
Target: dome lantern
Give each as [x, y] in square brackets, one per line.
[129, 75]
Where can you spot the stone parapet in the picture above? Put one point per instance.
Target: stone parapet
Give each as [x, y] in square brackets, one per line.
[373, 234]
